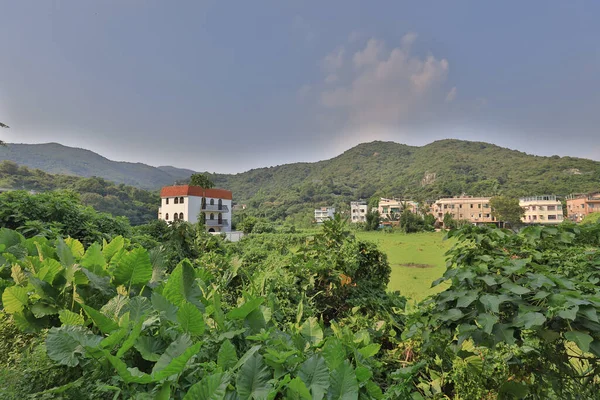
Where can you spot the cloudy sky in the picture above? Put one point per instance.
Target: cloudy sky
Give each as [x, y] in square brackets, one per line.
[228, 86]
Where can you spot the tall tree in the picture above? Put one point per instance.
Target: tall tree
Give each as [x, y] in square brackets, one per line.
[3, 126]
[507, 209]
[201, 180]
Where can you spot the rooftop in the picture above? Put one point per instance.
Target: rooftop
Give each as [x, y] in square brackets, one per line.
[188, 190]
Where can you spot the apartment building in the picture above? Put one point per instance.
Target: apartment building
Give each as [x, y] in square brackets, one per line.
[358, 211]
[476, 210]
[388, 207]
[541, 210]
[580, 205]
[186, 203]
[323, 214]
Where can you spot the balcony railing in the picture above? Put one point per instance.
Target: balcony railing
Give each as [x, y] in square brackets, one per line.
[216, 222]
[208, 207]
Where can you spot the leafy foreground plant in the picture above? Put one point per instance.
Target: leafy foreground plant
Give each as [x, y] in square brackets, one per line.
[108, 310]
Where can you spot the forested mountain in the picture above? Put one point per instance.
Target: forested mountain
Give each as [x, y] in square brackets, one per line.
[442, 168]
[55, 158]
[139, 205]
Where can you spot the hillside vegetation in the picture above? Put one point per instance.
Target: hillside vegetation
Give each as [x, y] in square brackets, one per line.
[376, 169]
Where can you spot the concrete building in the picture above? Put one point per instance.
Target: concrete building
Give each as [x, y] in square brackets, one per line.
[387, 207]
[580, 205]
[185, 202]
[323, 214]
[476, 210]
[541, 210]
[358, 211]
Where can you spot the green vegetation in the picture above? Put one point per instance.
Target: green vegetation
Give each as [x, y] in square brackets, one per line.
[138, 205]
[169, 311]
[416, 260]
[507, 210]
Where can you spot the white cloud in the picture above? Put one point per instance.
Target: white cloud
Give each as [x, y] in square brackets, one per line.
[334, 60]
[451, 95]
[383, 87]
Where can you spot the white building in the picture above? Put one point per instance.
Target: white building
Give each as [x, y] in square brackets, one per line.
[185, 202]
[389, 207]
[324, 213]
[358, 211]
[541, 210]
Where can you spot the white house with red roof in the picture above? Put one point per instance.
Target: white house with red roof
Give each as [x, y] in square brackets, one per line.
[185, 203]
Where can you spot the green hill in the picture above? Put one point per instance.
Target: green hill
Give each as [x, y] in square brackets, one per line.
[55, 158]
[386, 169]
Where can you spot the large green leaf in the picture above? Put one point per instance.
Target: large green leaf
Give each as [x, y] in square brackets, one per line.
[529, 320]
[190, 319]
[516, 289]
[134, 268]
[94, 261]
[131, 338]
[76, 247]
[253, 379]
[129, 375]
[344, 385]
[66, 345]
[18, 275]
[333, 352]
[65, 255]
[212, 387]
[177, 364]
[581, 339]
[101, 321]
[227, 356]
[41, 309]
[181, 286]
[114, 308]
[112, 248]
[311, 330]
[164, 306]
[150, 347]
[315, 374]
[242, 311]
[297, 390]
[138, 307]
[14, 299]
[70, 318]
[50, 270]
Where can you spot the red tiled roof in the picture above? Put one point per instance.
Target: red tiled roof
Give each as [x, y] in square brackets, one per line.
[187, 190]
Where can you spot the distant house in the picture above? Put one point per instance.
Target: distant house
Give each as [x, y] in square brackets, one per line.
[186, 203]
[476, 210]
[541, 210]
[580, 205]
[388, 207]
[323, 214]
[358, 211]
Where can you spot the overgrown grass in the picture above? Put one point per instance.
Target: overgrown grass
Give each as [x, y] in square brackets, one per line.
[416, 259]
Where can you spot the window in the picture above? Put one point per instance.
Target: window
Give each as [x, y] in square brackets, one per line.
[175, 216]
[212, 216]
[478, 205]
[167, 202]
[486, 206]
[460, 206]
[220, 204]
[212, 202]
[551, 208]
[181, 216]
[166, 216]
[551, 217]
[181, 200]
[471, 205]
[176, 200]
[533, 208]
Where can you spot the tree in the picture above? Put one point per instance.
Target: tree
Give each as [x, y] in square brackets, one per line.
[201, 180]
[507, 210]
[3, 126]
[449, 222]
[372, 220]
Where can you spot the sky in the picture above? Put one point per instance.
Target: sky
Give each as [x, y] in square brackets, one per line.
[229, 86]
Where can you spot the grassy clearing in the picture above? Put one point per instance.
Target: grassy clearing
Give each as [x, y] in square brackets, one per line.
[416, 260]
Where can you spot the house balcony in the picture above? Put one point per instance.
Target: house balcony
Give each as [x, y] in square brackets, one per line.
[216, 222]
[214, 207]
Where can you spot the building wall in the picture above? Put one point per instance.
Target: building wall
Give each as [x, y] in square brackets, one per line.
[388, 206]
[358, 211]
[324, 213]
[541, 210]
[580, 206]
[476, 210]
[191, 210]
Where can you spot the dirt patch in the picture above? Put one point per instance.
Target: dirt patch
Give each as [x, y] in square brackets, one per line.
[413, 265]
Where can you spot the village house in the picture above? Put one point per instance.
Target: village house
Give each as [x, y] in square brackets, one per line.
[580, 205]
[541, 210]
[358, 211]
[186, 203]
[323, 214]
[389, 207]
[475, 210]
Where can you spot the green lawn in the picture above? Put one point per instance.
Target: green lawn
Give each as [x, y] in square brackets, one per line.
[416, 259]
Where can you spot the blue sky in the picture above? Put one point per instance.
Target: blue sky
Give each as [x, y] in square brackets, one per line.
[228, 86]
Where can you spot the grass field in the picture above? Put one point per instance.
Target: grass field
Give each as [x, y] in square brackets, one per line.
[416, 260]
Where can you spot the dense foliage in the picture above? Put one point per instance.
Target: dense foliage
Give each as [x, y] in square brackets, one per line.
[169, 311]
[138, 205]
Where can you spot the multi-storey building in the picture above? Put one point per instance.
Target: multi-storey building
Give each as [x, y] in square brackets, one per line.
[476, 210]
[324, 213]
[580, 205]
[388, 207]
[186, 203]
[541, 210]
[358, 211]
